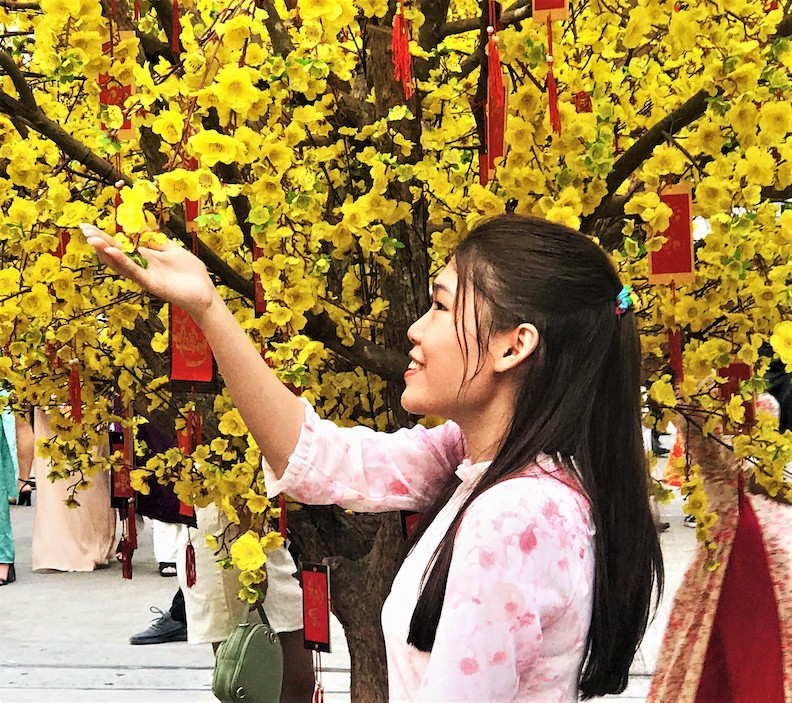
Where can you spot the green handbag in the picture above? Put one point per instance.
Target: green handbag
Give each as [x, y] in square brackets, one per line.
[249, 664]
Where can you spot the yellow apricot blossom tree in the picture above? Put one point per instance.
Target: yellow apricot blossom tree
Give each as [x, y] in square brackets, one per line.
[344, 190]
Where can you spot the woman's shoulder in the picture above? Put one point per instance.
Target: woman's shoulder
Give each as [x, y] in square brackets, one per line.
[545, 490]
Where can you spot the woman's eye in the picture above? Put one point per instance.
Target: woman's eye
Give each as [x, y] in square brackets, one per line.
[437, 305]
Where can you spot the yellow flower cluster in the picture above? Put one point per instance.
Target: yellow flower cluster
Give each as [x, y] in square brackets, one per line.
[295, 145]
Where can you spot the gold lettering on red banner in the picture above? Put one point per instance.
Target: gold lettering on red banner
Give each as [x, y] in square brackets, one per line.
[191, 355]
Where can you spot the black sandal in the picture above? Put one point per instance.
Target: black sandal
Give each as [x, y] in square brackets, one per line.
[10, 576]
[167, 568]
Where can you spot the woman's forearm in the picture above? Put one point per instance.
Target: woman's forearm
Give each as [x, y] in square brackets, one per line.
[273, 414]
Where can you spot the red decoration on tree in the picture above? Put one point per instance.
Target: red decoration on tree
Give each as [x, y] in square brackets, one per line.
[191, 355]
[192, 208]
[546, 11]
[175, 28]
[496, 110]
[189, 564]
[400, 50]
[734, 373]
[137, 10]
[126, 558]
[582, 101]
[75, 392]
[675, 354]
[673, 262]
[132, 536]
[113, 93]
[552, 88]
[63, 241]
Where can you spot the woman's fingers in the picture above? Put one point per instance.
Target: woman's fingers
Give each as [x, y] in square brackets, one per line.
[109, 252]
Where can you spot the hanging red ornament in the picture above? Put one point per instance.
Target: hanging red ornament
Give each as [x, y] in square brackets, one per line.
[552, 88]
[137, 10]
[126, 558]
[675, 354]
[189, 565]
[673, 262]
[132, 535]
[400, 50]
[75, 392]
[582, 101]
[547, 11]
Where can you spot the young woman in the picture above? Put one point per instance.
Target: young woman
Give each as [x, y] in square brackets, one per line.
[531, 575]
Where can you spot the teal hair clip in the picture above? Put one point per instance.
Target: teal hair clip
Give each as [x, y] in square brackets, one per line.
[624, 300]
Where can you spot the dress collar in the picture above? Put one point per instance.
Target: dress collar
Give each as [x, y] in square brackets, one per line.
[469, 473]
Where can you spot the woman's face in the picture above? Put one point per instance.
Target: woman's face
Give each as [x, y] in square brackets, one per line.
[438, 380]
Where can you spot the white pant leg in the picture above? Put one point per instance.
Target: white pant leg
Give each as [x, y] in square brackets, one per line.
[167, 538]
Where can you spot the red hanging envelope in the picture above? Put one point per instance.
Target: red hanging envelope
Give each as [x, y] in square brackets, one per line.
[191, 356]
[557, 9]
[674, 261]
[316, 606]
[111, 92]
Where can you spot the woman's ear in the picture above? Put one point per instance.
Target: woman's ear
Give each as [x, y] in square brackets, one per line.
[515, 346]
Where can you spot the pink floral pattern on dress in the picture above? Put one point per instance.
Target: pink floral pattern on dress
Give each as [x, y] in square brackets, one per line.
[518, 601]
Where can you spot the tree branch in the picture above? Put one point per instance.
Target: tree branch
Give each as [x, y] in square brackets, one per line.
[276, 28]
[680, 118]
[8, 65]
[14, 5]
[518, 12]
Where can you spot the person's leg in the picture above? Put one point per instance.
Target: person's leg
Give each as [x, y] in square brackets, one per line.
[283, 606]
[170, 626]
[177, 607]
[166, 538]
[26, 449]
[298, 673]
[6, 542]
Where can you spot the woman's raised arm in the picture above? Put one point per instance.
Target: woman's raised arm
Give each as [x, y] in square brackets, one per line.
[272, 413]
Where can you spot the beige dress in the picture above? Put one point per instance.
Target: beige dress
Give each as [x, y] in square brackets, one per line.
[70, 539]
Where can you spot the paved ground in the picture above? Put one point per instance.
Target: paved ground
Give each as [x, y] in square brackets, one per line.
[64, 636]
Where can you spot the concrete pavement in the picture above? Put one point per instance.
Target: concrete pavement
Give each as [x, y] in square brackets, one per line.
[65, 636]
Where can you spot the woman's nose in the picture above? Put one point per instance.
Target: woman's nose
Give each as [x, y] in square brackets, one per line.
[414, 332]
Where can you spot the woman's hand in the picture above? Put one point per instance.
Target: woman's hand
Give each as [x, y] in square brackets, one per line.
[171, 272]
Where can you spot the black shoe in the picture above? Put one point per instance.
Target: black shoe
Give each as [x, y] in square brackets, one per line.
[163, 629]
[10, 577]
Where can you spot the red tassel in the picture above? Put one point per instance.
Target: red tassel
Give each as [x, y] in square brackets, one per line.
[175, 28]
[189, 562]
[75, 393]
[400, 48]
[283, 519]
[675, 354]
[552, 88]
[126, 558]
[137, 10]
[495, 90]
[132, 535]
[297, 17]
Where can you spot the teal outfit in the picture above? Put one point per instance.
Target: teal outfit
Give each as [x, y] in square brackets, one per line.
[9, 470]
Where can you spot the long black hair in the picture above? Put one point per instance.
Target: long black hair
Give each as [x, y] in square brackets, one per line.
[580, 403]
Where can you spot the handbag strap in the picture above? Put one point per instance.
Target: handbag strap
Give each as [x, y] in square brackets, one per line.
[263, 615]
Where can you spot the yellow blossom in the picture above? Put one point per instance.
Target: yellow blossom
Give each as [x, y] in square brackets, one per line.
[247, 552]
